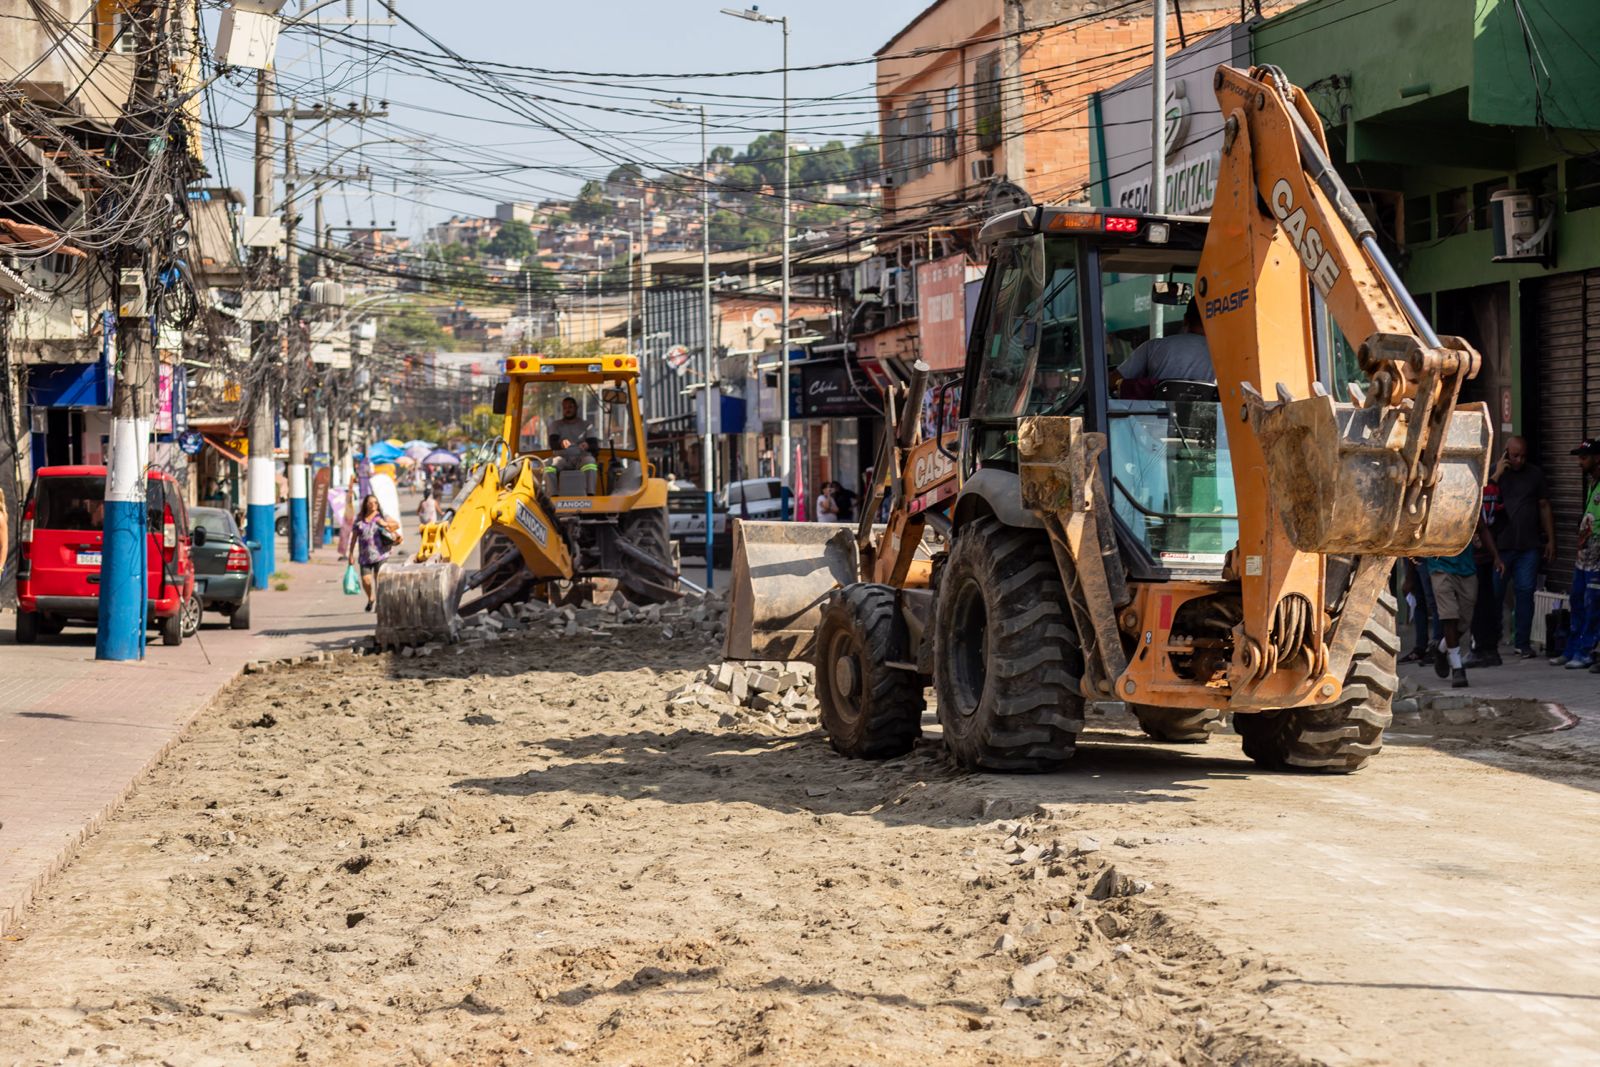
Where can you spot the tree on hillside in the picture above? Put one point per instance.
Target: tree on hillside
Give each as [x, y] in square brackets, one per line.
[514, 241]
[413, 327]
[591, 204]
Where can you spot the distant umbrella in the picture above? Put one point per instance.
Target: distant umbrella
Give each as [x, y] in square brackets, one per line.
[442, 458]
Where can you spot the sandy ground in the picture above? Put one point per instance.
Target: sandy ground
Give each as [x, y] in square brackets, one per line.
[518, 854]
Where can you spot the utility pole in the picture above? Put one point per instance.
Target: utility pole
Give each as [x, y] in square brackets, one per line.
[784, 435]
[294, 374]
[708, 450]
[124, 581]
[260, 488]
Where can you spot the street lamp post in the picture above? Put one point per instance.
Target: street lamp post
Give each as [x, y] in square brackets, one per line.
[708, 383]
[786, 460]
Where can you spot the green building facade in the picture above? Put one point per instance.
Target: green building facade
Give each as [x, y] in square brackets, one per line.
[1431, 108]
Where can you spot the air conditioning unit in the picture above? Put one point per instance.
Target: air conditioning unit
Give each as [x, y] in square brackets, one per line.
[1520, 235]
[869, 275]
[982, 169]
[908, 288]
[893, 281]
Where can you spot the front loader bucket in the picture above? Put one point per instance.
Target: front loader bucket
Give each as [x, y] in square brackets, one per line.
[782, 574]
[417, 603]
[1338, 475]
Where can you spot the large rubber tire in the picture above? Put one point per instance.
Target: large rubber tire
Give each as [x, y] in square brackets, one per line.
[646, 528]
[240, 619]
[869, 710]
[1007, 663]
[1179, 725]
[49, 625]
[27, 627]
[1337, 738]
[171, 629]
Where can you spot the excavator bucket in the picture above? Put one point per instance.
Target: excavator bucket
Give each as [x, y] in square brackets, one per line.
[417, 602]
[1338, 474]
[782, 574]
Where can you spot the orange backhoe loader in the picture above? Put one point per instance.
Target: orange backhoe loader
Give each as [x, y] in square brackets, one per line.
[1206, 540]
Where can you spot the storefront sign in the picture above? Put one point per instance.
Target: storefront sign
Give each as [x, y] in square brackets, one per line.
[163, 398]
[320, 482]
[825, 389]
[941, 312]
[1192, 135]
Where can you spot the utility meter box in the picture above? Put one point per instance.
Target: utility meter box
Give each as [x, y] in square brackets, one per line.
[247, 35]
[1520, 234]
[132, 299]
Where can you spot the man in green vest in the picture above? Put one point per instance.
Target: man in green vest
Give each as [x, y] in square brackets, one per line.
[1583, 598]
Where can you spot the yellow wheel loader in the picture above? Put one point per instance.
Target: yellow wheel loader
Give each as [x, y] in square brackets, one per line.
[564, 495]
[1212, 535]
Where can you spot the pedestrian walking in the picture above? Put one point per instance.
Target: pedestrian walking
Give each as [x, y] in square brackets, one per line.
[1583, 598]
[1525, 535]
[827, 509]
[846, 502]
[372, 536]
[428, 510]
[1418, 590]
[1486, 616]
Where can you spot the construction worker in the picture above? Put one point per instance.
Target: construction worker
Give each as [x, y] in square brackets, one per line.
[570, 431]
[570, 437]
[1177, 357]
[1583, 598]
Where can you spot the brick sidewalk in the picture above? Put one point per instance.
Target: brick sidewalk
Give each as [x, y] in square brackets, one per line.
[77, 734]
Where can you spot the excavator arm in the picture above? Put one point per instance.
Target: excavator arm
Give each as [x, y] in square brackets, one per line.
[419, 600]
[1398, 470]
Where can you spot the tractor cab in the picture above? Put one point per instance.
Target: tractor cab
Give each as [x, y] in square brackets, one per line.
[578, 420]
[1066, 325]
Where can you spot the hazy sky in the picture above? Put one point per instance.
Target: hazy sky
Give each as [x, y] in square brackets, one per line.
[464, 152]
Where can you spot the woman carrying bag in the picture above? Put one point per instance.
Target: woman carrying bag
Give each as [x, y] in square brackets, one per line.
[372, 537]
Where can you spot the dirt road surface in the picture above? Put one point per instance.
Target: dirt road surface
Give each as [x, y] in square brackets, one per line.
[523, 854]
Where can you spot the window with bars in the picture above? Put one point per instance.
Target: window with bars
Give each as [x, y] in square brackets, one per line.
[950, 137]
[919, 128]
[986, 114]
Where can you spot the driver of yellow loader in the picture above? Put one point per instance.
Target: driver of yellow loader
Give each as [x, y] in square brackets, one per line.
[569, 441]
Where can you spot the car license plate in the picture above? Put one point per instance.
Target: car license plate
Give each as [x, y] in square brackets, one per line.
[88, 559]
[199, 585]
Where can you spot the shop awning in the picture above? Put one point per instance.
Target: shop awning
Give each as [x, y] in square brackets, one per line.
[224, 449]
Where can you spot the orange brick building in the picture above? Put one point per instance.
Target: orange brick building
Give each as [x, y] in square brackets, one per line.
[977, 96]
[983, 105]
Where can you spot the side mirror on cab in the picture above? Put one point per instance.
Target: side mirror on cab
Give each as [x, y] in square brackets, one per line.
[502, 397]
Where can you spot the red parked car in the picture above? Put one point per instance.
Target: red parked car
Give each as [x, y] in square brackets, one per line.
[59, 545]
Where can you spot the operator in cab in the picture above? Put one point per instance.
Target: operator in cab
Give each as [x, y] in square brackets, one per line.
[1181, 356]
[570, 431]
[569, 441]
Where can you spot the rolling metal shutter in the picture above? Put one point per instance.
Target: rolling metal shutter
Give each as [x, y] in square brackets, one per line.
[1568, 405]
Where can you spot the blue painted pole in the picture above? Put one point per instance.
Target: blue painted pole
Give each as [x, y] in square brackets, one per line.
[124, 581]
[260, 491]
[299, 512]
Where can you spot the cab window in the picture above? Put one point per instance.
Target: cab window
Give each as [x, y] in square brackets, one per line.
[555, 416]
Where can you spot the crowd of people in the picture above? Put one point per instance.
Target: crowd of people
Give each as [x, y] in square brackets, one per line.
[1458, 602]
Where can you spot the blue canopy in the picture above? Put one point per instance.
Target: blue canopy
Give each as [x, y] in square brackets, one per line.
[384, 452]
